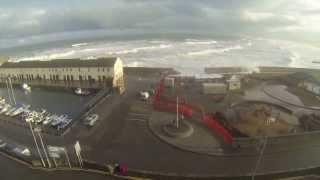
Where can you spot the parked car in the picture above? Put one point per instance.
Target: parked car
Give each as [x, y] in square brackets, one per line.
[91, 119]
[2, 144]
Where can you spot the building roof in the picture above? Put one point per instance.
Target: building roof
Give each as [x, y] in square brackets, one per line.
[57, 63]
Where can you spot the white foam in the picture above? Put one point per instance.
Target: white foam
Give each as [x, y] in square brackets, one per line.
[192, 59]
[48, 56]
[200, 42]
[136, 50]
[214, 51]
[79, 44]
[135, 64]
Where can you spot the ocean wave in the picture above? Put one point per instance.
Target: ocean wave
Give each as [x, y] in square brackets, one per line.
[135, 64]
[48, 56]
[214, 51]
[79, 44]
[136, 50]
[200, 42]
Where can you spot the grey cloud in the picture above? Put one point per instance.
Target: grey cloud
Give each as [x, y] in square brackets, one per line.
[150, 15]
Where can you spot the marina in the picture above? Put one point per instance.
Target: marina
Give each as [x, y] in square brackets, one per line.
[54, 101]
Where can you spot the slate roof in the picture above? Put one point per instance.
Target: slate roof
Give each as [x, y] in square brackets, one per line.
[100, 62]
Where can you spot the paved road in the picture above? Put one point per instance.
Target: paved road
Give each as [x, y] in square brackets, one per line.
[11, 170]
[119, 138]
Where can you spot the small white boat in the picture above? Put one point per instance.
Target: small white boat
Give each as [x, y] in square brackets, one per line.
[5, 108]
[91, 119]
[10, 111]
[48, 119]
[81, 92]
[20, 110]
[64, 123]
[26, 87]
[58, 120]
[2, 101]
[16, 112]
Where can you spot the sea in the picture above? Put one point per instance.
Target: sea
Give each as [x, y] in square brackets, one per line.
[187, 55]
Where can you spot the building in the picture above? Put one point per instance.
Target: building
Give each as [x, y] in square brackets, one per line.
[234, 83]
[214, 88]
[69, 71]
[169, 82]
[310, 81]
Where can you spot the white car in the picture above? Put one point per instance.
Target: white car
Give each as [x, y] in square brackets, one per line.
[144, 95]
[91, 119]
[2, 144]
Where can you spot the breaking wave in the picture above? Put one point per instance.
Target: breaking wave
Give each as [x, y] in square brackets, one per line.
[136, 50]
[200, 42]
[49, 56]
[189, 56]
[79, 44]
[214, 51]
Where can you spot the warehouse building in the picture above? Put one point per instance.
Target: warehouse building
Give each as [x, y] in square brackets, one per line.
[214, 88]
[94, 71]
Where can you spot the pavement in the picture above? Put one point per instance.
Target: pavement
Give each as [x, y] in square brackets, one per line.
[122, 135]
[201, 141]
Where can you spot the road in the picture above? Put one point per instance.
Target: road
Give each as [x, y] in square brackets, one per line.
[119, 137]
[11, 170]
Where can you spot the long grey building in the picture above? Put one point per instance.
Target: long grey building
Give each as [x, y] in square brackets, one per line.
[102, 70]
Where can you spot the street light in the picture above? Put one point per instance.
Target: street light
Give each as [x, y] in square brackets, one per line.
[28, 120]
[67, 156]
[263, 144]
[38, 130]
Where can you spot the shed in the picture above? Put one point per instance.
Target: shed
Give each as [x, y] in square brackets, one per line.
[169, 82]
[234, 83]
[214, 88]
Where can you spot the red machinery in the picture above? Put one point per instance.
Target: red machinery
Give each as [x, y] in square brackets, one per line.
[214, 125]
[170, 105]
[162, 104]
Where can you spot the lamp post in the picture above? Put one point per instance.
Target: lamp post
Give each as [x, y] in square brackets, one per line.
[177, 120]
[67, 156]
[264, 144]
[7, 83]
[14, 99]
[38, 130]
[28, 120]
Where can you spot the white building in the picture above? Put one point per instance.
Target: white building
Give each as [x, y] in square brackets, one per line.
[93, 70]
[214, 88]
[234, 83]
[312, 87]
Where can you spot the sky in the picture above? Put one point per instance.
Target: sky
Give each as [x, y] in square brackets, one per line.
[22, 22]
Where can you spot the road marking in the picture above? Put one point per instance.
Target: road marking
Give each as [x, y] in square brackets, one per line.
[138, 114]
[138, 120]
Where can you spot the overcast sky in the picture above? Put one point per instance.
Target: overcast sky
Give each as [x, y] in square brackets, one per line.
[292, 18]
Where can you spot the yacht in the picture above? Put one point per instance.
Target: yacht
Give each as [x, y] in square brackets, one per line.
[91, 119]
[5, 108]
[19, 110]
[81, 92]
[10, 111]
[64, 123]
[48, 119]
[2, 101]
[26, 87]
[59, 120]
